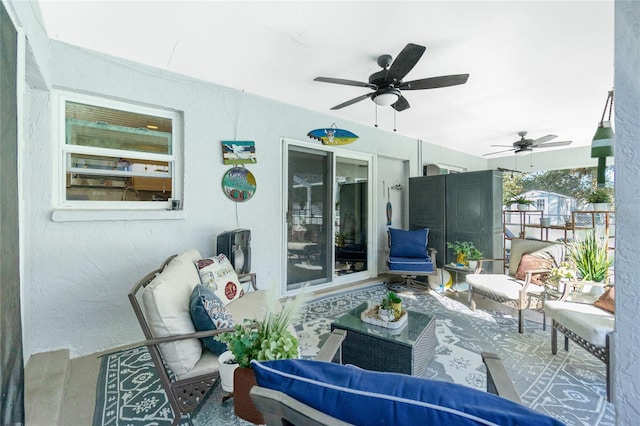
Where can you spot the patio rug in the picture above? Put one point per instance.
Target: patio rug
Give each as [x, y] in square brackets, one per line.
[568, 386]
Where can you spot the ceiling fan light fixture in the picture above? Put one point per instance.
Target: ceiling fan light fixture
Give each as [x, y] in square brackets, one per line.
[523, 151]
[386, 97]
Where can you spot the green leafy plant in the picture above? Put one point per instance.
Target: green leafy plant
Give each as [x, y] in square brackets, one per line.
[600, 195]
[590, 256]
[264, 340]
[461, 247]
[520, 200]
[474, 254]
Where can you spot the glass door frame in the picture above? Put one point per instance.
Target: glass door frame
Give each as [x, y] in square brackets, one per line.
[372, 238]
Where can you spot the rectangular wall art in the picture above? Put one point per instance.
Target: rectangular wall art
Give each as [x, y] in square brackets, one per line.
[239, 152]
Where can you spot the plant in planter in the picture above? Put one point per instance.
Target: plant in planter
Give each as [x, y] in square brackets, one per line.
[390, 307]
[522, 202]
[461, 249]
[590, 256]
[473, 257]
[262, 340]
[600, 198]
[561, 274]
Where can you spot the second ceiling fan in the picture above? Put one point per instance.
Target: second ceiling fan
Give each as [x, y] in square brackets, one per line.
[387, 84]
[526, 146]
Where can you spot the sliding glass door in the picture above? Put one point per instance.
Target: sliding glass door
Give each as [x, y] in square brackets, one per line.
[308, 217]
[328, 216]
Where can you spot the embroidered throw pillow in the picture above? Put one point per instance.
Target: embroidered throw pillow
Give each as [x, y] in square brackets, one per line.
[209, 313]
[218, 274]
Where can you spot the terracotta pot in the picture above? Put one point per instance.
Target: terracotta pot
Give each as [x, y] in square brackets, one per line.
[243, 380]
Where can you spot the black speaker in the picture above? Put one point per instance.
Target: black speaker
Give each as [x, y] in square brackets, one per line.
[235, 244]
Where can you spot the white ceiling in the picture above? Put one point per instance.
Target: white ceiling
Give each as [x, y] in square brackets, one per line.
[540, 66]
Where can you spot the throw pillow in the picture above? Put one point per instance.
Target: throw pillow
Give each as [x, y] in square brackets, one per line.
[359, 396]
[607, 300]
[408, 243]
[529, 262]
[209, 313]
[218, 274]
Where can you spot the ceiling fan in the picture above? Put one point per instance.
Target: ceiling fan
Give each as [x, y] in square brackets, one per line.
[387, 84]
[525, 146]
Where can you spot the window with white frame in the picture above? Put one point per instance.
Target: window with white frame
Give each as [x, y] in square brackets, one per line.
[117, 155]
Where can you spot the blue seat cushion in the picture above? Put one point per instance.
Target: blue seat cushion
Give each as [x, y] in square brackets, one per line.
[411, 264]
[408, 243]
[363, 397]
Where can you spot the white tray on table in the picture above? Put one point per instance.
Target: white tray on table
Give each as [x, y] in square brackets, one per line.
[370, 316]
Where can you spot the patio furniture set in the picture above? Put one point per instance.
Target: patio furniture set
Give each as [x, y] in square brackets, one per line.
[171, 338]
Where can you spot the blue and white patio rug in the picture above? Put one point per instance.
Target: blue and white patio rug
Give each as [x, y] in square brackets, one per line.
[568, 386]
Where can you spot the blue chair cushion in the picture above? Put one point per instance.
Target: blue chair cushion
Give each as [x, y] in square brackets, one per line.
[410, 264]
[408, 243]
[363, 397]
[209, 313]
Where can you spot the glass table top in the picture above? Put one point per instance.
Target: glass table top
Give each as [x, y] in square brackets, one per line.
[406, 334]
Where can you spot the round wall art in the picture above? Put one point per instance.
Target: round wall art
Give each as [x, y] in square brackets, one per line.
[239, 184]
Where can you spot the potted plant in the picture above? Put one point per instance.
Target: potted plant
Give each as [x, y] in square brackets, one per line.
[262, 340]
[461, 249]
[590, 256]
[227, 365]
[473, 256]
[522, 202]
[390, 308]
[600, 198]
[561, 274]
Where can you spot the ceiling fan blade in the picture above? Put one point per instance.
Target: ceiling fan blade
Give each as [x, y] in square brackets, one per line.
[510, 146]
[435, 82]
[401, 104]
[345, 82]
[406, 60]
[551, 144]
[543, 139]
[353, 101]
[497, 152]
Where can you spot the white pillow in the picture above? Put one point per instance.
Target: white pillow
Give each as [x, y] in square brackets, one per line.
[166, 304]
[218, 274]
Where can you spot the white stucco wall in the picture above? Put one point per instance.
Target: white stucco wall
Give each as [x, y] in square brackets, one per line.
[80, 272]
[626, 359]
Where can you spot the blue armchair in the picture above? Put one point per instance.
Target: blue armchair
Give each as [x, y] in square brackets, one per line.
[409, 257]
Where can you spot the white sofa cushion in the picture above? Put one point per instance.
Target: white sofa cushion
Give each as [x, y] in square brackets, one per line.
[253, 305]
[587, 321]
[501, 285]
[166, 304]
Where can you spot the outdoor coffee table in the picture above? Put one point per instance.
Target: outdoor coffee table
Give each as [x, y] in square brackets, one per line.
[407, 350]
